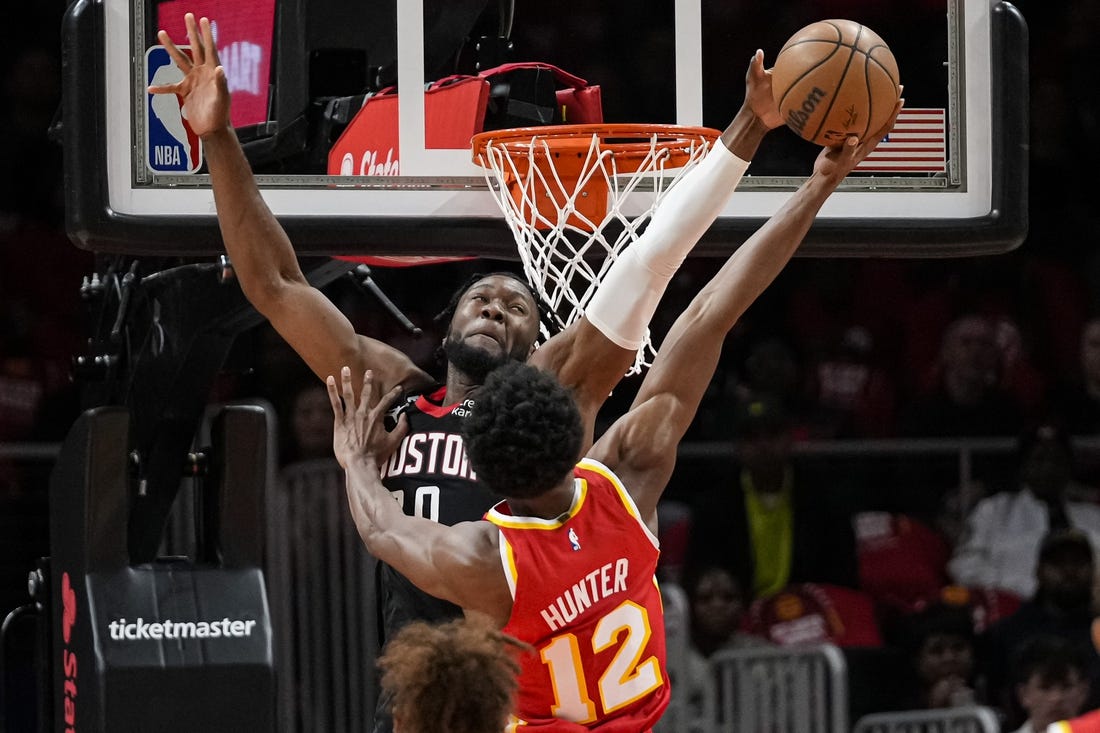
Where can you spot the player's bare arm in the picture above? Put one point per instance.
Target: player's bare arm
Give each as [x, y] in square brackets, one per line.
[459, 563]
[262, 255]
[641, 446]
[593, 353]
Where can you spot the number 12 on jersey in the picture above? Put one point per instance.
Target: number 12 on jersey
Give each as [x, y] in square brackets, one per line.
[627, 678]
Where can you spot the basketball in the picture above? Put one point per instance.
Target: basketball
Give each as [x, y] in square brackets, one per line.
[833, 79]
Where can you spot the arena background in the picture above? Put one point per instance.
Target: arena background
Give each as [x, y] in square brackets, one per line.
[1049, 286]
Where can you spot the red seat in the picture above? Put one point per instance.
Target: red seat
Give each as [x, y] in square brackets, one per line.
[813, 613]
[901, 560]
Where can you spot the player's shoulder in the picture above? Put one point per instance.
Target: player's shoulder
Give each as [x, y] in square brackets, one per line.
[591, 467]
[406, 404]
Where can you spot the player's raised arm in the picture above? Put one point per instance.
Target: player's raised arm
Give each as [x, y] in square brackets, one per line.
[262, 255]
[592, 355]
[641, 446]
[458, 563]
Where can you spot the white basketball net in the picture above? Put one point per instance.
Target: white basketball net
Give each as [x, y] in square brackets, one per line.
[565, 254]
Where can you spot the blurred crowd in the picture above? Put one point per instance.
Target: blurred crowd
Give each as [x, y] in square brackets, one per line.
[965, 580]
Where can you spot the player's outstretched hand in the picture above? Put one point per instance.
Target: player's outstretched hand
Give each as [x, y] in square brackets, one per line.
[357, 426]
[204, 91]
[758, 92]
[836, 162]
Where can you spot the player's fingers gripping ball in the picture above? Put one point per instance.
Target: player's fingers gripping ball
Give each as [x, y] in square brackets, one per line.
[834, 79]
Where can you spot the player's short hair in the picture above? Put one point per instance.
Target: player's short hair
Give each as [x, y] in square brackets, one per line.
[458, 676]
[443, 318]
[524, 434]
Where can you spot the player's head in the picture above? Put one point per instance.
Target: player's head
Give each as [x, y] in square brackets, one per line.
[458, 677]
[490, 320]
[525, 435]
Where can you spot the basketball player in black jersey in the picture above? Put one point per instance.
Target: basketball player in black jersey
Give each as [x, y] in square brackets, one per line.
[495, 318]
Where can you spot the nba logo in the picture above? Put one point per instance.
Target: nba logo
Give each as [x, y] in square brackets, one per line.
[170, 145]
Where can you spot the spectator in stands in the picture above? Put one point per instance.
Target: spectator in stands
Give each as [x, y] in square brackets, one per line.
[940, 641]
[1019, 376]
[308, 432]
[772, 373]
[768, 370]
[1051, 682]
[718, 604]
[763, 521]
[1061, 606]
[962, 398]
[1004, 531]
[1078, 403]
[853, 396]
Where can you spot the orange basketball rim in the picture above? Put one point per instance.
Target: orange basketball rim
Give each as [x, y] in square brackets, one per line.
[560, 175]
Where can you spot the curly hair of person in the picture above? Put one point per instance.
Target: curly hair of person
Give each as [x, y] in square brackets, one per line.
[525, 434]
[458, 677]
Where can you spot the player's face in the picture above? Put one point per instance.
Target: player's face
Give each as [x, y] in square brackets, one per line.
[496, 318]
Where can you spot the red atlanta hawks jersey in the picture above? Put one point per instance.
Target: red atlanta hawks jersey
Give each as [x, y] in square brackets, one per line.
[586, 598]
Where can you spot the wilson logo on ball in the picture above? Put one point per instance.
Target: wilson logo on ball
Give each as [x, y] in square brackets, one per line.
[796, 118]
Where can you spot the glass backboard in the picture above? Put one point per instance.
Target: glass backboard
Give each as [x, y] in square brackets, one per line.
[303, 71]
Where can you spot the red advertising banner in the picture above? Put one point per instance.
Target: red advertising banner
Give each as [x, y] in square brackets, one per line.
[243, 33]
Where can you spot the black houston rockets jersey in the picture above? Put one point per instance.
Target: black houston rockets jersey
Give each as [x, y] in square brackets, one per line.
[430, 476]
[429, 473]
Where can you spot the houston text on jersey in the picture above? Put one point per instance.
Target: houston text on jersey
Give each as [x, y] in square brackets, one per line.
[430, 454]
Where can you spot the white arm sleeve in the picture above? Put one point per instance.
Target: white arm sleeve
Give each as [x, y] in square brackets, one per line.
[628, 296]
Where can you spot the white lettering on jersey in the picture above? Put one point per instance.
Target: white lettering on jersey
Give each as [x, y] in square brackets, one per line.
[464, 409]
[452, 455]
[430, 454]
[602, 582]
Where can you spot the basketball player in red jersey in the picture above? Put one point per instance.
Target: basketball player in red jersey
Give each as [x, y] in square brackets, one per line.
[492, 319]
[566, 562]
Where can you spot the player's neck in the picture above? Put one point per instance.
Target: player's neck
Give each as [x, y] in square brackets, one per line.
[550, 505]
[459, 386]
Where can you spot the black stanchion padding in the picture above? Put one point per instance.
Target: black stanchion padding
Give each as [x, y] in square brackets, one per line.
[171, 645]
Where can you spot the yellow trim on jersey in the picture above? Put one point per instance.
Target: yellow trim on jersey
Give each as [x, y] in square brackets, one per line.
[513, 724]
[508, 563]
[624, 496]
[1060, 727]
[580, 491]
